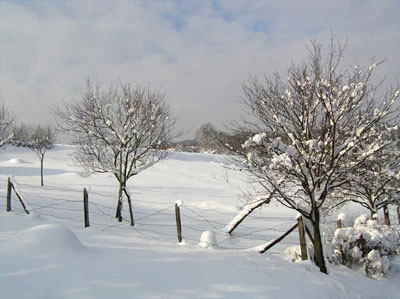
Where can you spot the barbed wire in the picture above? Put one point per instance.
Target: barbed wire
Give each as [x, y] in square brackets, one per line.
[150, 225]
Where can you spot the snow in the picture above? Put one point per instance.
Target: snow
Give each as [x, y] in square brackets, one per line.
[373, 66]
[341, 216]
[16, 161]
[259, 138]
[208, 240]
[43, 239]
[367, 246]
[242, 214]
[42, 256]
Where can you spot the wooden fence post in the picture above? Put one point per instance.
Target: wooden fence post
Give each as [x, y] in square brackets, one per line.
[398, 214]
[339, 223]
[9, 195]
[302, 237]
[386, 214]
[178, 222]
[270, 245]
[86, 207]
[19, 198]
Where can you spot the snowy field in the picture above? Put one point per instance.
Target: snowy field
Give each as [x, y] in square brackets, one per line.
[49, 253]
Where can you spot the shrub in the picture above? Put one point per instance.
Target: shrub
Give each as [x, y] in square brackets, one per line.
[367, 247]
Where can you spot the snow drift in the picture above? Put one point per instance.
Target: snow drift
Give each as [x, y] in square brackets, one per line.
[44, 239]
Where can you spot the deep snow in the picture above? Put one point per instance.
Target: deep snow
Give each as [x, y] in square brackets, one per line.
[42, 256]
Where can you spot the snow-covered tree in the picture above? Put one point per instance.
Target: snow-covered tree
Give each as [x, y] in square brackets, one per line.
[310, 128]
[41, 138]
[206, 137]
[375, 183]
[7, 119]
[120, 131]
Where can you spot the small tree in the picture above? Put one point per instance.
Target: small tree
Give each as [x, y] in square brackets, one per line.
[309, 131]
[41, 138]
[120, 131]
[7, 119]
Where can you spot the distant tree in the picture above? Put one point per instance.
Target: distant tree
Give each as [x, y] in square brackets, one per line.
[21, 134]
[206, 137]
[7, 119]
[121, 130]
[41, 139]
[310, 130]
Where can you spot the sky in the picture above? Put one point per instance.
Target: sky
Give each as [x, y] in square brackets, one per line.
[198, 52]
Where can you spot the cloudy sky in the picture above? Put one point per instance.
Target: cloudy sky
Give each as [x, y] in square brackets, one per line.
[199, 52]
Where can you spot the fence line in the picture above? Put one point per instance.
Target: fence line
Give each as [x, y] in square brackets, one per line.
[152, 223]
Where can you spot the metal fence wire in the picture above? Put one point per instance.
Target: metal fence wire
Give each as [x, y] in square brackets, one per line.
[154, 220]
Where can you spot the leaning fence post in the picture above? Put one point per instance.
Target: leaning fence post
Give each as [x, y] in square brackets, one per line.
[178, 220]
[86, 207]
[386, 214]
[9, 195]
[19, 198]
[303, 245]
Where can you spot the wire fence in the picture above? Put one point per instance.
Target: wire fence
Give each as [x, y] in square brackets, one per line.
[154, 220]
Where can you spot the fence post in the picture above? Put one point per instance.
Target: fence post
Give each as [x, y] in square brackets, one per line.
[386, 214]
[19, 198]
[339, 223]
[9, 195]
[303, 245]
[86, 207]
[178, 222]
[398, 214]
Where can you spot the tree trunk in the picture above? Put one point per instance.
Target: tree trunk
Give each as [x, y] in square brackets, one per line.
[130, 207]
[374, 215]
[318, 249]
[119, 206]
[41, 171]
[121, 185]
[386, 214]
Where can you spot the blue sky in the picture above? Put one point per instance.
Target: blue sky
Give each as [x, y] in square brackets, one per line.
[199, 52]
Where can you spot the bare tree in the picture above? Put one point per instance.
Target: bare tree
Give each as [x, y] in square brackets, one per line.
[206, 137]
[21, 134]
[310, 129]
[41, 138]
[120, 130]
[7, 119]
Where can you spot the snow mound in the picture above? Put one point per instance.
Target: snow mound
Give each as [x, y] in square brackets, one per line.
[42, 240]
[208, 240]
[292, 254]
[17, 161]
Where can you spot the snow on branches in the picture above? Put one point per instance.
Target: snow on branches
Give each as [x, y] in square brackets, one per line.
[122, 130]
[132, 122]
[316, 130]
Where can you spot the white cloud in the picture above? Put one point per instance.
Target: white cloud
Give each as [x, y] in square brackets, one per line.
[199, 52]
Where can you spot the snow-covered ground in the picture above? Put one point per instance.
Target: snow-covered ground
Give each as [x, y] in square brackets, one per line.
[49, 253]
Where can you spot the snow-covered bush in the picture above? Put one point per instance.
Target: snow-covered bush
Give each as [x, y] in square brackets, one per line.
[367, 246]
